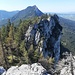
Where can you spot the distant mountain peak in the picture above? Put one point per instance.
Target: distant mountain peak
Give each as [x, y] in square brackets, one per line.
[29, 12]
[35, 7]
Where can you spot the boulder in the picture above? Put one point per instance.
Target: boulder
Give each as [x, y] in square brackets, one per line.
[26, 69]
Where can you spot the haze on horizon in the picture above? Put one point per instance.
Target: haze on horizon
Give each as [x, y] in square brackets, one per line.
[57, 6]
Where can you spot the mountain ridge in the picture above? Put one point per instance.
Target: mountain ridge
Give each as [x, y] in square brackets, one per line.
[7, 14]
[28, 13]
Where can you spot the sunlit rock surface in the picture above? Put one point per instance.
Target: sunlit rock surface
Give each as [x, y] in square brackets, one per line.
[34, 69]
[66, 66]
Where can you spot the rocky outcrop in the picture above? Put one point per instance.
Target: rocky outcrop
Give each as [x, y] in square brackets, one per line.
[34, 69]
[66, 66]
[45, 36]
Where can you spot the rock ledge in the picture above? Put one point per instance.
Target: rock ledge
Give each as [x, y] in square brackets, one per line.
[25, 69]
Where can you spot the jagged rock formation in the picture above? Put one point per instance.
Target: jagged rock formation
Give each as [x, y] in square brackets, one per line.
[45, 36]
[66, 66]
[34, 69]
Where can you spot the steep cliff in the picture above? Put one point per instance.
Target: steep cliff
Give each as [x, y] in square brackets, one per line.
[45, 36]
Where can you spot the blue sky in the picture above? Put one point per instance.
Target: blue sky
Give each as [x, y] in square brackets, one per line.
[43, 5]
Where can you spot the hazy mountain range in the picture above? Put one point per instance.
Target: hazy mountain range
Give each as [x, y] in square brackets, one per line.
[5, 14]
[66, 15]
[29, 12]
[70, 16]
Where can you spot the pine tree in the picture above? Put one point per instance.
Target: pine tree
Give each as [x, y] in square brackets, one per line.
[4, 54]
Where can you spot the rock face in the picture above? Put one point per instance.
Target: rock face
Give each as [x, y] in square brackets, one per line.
[45, 36]
[34, 69]
[66, 66]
